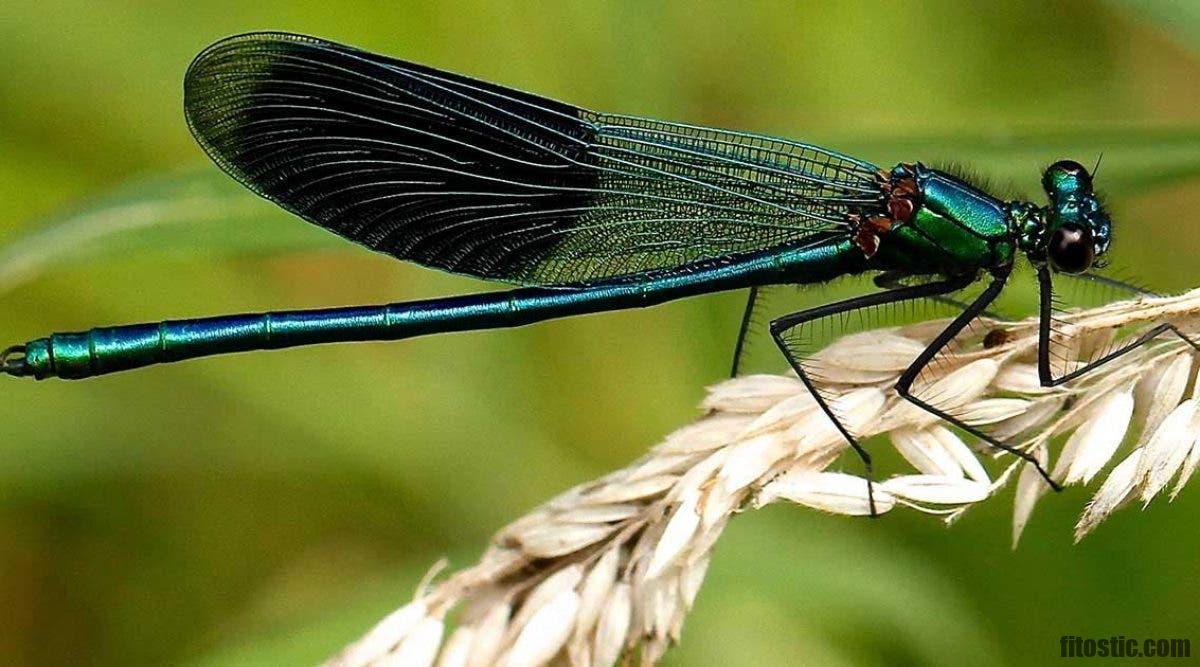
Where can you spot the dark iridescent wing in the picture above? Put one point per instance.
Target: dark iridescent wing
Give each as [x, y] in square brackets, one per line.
[479, 179]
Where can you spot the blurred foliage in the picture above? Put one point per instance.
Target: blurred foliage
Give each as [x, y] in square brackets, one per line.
[264, 509]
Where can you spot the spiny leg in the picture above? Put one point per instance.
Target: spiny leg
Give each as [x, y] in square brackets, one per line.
[780, 327]
[743, 329]
[904, 385]
[1115, 283]
[1046, 318]
[895, 280]
[1091, 289]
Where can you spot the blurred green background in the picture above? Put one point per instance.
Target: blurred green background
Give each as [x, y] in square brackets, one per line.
[265, 509]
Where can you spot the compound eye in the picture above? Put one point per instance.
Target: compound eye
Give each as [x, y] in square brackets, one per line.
[1071, 249]
[1067, 176]
[1069, 167]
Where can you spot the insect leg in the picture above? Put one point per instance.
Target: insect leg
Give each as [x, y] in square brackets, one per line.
[895, 280]
[1109, 281]
[743, 329]
[1045, 321]
[782, 327]
[904, 385]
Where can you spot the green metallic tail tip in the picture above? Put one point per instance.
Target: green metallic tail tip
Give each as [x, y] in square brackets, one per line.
[12, 361]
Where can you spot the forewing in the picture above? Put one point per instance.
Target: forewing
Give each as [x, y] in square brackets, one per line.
[475, 178]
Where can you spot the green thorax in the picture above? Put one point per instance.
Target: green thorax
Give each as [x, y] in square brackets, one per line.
[954, 228]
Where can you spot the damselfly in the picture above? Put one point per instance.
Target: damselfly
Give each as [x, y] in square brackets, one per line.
[584, 212]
